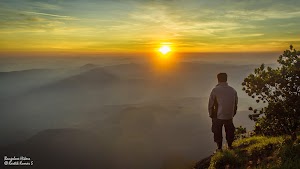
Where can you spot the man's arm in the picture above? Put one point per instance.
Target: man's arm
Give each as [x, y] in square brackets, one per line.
[211, 104]
[236, 103]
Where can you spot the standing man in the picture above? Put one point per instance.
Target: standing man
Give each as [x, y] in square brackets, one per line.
[222, 108]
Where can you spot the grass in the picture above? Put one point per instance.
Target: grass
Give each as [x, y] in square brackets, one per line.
[228, 158]
[259, 152]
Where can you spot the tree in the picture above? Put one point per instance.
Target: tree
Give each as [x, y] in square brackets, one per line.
[279, 88]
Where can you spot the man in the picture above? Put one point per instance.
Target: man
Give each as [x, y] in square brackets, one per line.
[222, 108]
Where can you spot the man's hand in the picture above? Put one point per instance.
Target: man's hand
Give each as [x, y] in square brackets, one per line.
[235, 110]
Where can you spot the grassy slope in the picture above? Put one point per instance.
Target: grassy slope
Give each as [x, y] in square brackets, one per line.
[257, 152]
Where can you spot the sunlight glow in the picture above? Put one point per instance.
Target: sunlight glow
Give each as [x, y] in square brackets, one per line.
[165, 49]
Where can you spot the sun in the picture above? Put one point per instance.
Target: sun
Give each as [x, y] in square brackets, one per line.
[165, 49]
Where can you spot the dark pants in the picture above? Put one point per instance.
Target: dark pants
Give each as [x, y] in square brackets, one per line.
[217, 125]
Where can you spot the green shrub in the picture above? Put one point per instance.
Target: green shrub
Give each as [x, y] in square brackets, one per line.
[260, 152]
[290, 164]
[265, 147]
[278, 89]
[228, 158]
[290, 152]
[239, 132]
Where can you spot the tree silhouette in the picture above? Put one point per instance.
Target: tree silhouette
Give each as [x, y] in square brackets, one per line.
[279, 88]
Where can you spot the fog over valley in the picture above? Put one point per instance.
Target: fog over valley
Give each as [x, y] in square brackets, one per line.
[115, 112]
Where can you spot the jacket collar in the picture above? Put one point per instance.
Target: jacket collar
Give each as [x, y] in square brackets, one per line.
[222, 84]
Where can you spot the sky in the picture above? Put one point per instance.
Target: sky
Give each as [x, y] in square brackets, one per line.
[132, 26]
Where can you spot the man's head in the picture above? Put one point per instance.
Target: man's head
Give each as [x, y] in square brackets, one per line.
[222, 77]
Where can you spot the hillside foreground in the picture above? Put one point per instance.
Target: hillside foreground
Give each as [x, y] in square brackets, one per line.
[256, 152]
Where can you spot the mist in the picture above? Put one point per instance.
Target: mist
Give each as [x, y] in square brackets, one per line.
[114, 112]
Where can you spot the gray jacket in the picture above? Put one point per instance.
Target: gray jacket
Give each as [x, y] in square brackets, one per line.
[223, 102]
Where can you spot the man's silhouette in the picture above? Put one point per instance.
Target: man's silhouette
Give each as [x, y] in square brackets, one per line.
[222, 108]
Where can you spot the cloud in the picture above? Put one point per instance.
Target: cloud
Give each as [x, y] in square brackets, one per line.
[46, 6]
[260, 14]
[48, 14]
[132, 23]
[22, 21]
[241, 36]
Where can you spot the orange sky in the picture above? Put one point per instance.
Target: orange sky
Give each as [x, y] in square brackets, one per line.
[99, 27]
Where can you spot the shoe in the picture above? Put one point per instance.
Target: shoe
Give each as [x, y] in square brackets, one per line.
[230, 145]
[218, 150]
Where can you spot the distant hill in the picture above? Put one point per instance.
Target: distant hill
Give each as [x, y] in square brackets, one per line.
[88, 66]
[15, 82]
[149, 117]
[61, 149]
[93, 76]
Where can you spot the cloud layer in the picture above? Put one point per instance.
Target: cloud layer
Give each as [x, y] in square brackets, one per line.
[142, 25]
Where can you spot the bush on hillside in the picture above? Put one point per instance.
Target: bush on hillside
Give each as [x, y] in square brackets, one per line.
[280, 89]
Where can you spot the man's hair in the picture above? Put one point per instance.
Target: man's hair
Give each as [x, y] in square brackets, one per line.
[222, 77]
